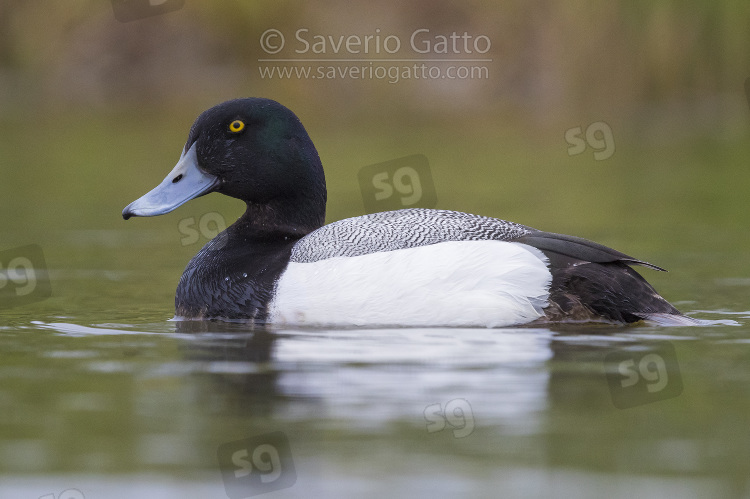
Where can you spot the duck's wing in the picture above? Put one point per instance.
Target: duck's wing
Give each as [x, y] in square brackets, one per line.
[589, 281]
[410, 228]
[392, 230]
[563, 250]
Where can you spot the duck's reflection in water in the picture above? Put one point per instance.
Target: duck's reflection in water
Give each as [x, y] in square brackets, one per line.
[237, 374]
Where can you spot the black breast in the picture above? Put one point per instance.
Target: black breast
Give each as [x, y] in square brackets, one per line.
[233, 277]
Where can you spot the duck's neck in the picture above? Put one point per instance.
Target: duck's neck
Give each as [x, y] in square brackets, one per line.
[281, 219]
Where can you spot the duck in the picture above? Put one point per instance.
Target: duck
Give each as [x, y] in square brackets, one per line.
[280, 264]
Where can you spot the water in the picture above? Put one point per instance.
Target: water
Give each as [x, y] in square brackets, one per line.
[115, 409]
[101, 395]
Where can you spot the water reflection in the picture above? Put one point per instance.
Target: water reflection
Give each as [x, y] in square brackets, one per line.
[641, 401]
[241, 379]
[369, 378]
[597, 399]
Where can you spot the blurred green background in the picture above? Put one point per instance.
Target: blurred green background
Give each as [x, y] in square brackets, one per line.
[94, 112]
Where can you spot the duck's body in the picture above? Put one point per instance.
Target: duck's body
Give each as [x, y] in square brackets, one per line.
[278, 264]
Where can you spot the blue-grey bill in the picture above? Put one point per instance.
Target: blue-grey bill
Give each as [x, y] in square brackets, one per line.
[185, 182]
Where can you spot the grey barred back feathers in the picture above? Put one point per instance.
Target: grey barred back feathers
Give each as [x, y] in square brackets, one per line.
[392, 230]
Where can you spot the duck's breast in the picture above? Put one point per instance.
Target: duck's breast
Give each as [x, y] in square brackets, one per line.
[454, 283]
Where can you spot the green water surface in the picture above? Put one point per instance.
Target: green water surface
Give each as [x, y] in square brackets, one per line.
[101, 395]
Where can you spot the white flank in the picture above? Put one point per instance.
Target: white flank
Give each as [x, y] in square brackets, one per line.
[455, 283]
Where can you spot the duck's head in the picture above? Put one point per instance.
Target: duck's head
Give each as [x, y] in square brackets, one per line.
[252, 149]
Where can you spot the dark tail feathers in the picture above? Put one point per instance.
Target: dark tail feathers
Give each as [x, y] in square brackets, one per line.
[605, 291]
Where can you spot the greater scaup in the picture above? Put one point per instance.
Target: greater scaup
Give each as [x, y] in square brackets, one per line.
[279, 264]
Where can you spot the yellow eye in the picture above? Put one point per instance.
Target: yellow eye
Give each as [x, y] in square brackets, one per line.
[236, 126]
